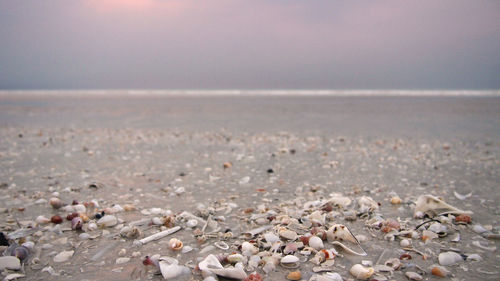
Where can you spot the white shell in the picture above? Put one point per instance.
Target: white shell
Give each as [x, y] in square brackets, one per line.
[449, 258]
[191, 223]
[340, 232]
[271, 237]
[367, 204]
[361, 272]
[316, 243]
[63, 256]
[235, 258]
[221, 245]
[79, 208]
[170, 269]
[432, 205]
[413, 276]
[405, 243]
[289, 261]
[248, 249]
[287, 234]
[157, 221]
[474, 257]
[55, 202]
[339, 200]
[211, 265]
[42, 220]
[107, 220]
[122, 260]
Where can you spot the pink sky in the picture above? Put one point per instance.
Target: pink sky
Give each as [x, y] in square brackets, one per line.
[249, 44]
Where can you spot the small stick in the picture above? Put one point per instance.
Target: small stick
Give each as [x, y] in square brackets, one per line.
[159, 235]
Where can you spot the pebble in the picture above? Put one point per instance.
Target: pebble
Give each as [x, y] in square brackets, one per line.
[10, 262]
[107, 221]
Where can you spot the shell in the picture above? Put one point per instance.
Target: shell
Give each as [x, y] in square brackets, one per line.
[316, 243]
[287, 234]
[439, 271]
[21, 252]
[221, 245]
[107, 221]
[271, 237]
[76, 223]
[235, 258]
[367, 204]
[396, 200]
[413, 276]
[56, 219]
[361, 272]
[339, 200]
[290, 248]
[175, 244]
[449, 258]
[211, 265]
[340, 232]
[394, 263]
[294, 275]
[55, 202]
[248, 249]
[171, 269]
[289, 261]
[42, 220]
[431, 205]
[191, 223]
[63, 256]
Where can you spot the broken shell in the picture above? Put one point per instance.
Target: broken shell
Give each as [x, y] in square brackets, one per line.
[289, 261]
[431, 205]
[56, 219]
[316, 243]
[405, 243]
[339, 200]
[76, 223]
[439, 271]
[63, 256]
[221, 245]
[340, 232]
[394, 263]
[56, 203]
[449, 258]
[287, 234]
[170, 268]
[191, 223]
[175, 244]
[361, 272]
[107, 221]
[367, 204]
[295, 275]
[211, 265]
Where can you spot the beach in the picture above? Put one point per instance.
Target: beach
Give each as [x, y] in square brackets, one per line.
[233, 159]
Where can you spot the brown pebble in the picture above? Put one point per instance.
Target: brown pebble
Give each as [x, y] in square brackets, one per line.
[295, 275]
[227, 165]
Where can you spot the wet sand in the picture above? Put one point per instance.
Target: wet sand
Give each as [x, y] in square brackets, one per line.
[168, 152]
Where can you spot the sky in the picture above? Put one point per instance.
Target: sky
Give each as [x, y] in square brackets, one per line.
[251, 44]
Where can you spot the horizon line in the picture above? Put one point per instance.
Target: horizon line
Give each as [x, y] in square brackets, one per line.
[246, 92]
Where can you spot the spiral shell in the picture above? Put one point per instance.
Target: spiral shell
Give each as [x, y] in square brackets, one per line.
[175, 244]
[76, 223]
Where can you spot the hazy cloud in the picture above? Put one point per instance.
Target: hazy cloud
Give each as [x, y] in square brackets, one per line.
[249, 44]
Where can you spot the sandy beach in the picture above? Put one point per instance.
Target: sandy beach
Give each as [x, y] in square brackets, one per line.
[236, 160]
